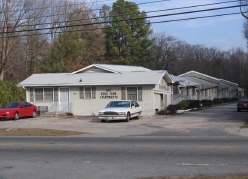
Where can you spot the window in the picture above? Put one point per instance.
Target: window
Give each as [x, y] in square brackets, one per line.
[136, 104]
[206, 92]
[87, 92]
[132, 93]
[25, 104]
[43, 94]
[38, 94]
[48, 94]
[175, 89]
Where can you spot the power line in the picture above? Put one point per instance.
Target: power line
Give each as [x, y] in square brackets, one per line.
[186, 7]
[139, 18]
[49, 7]
[184, 19]
[149, 2]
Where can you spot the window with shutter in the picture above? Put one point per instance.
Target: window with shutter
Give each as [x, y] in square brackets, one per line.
[31, 94]
[56, 95]
[139, 93]
[87, 93]
[132, 93]
[123, 93]
[93, 92]
[81, 93]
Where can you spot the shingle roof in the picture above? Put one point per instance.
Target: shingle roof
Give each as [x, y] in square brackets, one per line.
[94, 79]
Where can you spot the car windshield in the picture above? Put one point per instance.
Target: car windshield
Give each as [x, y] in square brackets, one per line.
[118, 104]
[12, 105]
[243, 100]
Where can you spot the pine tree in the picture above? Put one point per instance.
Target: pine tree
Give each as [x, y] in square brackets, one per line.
[128, 39]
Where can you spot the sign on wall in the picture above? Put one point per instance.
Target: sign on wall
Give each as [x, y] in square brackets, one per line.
[108, 95]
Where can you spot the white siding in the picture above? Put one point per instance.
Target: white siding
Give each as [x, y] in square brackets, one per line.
[92, 106]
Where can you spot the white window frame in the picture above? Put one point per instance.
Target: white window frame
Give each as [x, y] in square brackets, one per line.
[90, 93]
[136, 92]
[43, 95]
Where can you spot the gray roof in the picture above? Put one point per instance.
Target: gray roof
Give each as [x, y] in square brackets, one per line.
[183, 82]
[203, 83]
[94, 79]
[198, 73]
[114, 68]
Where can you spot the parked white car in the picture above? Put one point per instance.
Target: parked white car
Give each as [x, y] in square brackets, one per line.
[120, 110]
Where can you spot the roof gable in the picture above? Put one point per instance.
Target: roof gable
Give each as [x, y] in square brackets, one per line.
[201, 76]
[107, 68]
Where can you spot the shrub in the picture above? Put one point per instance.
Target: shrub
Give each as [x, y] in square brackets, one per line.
[162, 112]
[226, 100]
[183, 105]
[234, 99]
[207, 103]
[172, 109]
[195, 104]
[217, 101]
[10, 92]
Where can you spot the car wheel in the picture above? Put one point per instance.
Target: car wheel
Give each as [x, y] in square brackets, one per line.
[128, 117]
[16, 116]
[103, 120]
[34, 114]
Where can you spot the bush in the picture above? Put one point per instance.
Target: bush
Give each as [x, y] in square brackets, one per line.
[194, 104]
[172, 109]
[217, 101]
[183, 105]
[10, 92]
[226, 100]
[234, 99]
[162, 112]
[207, 103]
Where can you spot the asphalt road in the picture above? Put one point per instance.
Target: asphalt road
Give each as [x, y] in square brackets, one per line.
[120, 157]
[200, 142]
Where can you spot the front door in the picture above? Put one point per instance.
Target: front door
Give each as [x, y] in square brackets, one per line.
[64, 99]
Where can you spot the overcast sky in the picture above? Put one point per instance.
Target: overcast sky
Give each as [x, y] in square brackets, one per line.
[222, 32]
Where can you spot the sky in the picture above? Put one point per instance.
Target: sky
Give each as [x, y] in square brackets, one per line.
[224, 33]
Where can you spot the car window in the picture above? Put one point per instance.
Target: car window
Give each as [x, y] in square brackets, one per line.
[136, 104]
[118, 104]
[243, 100]
[24, 105]
[12, 105]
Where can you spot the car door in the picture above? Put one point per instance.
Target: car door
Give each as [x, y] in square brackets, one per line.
[135, 109]
[26, 109]
[138, 108]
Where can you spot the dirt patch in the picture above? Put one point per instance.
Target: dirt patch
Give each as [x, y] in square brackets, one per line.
[245, 125]
[226, 176]
[37, 132]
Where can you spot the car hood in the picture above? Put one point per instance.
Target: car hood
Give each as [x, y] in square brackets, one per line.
[6, 109]
[114, 109]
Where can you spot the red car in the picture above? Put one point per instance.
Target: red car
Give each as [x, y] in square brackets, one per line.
[242, 104]
[14, 110]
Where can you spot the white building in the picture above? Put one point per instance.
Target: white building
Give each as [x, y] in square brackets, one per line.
[86, 91]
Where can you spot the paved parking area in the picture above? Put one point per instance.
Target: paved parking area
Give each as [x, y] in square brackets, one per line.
[216, 121]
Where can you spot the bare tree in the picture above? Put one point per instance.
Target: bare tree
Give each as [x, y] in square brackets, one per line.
[164, 57]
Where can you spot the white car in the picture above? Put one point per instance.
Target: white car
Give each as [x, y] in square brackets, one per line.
[120, 110]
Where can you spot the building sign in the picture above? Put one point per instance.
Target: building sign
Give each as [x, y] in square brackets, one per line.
[108, 95]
